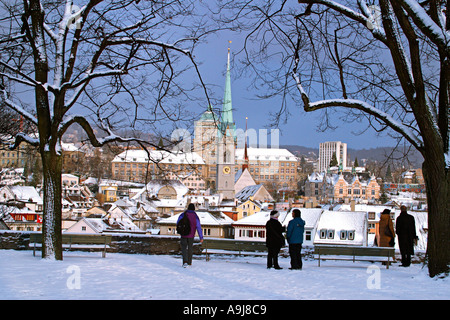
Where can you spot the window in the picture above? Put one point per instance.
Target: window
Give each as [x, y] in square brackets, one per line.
[330, 234]
[351, 235]
[323, 234]
[308, 235]
[83, 228]
[343, 235]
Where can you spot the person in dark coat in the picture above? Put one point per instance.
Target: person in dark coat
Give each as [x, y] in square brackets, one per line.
[406, 230]
[187, 241]
[274, 240]
[294, 236]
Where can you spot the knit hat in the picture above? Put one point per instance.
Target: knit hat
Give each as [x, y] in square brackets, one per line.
[274, 214]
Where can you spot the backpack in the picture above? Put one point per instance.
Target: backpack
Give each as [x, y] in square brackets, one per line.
[184, 226]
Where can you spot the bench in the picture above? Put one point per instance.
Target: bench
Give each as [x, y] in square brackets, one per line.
[72, 241]
[353, 252]
[233, 247]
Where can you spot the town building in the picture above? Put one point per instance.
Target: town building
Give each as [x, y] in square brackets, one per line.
[255, 192]
[270, 166]
[12, 176]
[137, 165]
[342, 228]
[24, 155]
[215, 224]
[247, 208]
[326, 152]
[342, 187]
[311, 216]
[205, 144]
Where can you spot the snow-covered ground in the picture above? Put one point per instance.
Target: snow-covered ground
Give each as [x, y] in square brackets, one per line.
[133, 276]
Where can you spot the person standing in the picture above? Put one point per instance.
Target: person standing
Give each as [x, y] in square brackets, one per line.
[187, 241]
[384, 232]
[406, 230]
[274, 239]
[294, 236]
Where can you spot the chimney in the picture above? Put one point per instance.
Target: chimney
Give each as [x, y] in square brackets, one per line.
[352, 205]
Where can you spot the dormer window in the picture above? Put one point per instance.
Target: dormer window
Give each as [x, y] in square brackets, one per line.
[330, 234]
[351, 235]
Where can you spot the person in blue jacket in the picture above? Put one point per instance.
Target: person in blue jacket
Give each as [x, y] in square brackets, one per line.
[187, 241]
[294, 235]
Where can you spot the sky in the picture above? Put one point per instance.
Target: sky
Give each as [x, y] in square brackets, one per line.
[301, 127]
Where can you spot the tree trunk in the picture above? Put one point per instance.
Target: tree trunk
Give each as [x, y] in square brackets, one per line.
[51, 228]
[437, 181]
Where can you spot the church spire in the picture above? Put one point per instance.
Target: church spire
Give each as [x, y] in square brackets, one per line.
[227, 107]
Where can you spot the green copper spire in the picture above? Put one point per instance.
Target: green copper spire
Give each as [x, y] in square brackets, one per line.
[227, 108]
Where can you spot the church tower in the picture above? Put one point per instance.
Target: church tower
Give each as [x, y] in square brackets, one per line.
[226, 142]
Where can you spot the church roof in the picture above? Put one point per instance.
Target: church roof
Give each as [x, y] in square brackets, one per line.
[209, 115]
[247, 192]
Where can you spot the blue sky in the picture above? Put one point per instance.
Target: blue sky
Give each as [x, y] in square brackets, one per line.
[301, 127]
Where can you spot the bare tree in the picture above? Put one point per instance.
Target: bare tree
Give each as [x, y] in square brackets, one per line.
[383, 62]
[104, 65]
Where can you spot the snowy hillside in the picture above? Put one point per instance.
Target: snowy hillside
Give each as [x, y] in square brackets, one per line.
[125, 276]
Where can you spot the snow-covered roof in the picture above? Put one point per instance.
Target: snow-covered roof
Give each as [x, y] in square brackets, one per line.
[270, 154]
[259, 219]
[247, 192]
[363, 208]
[310, 215]
[206, 218]
[342, 221]
[26, 193]
[96, 224]
[316, 177]
[69, 147]
[152, 188]
[159, 156]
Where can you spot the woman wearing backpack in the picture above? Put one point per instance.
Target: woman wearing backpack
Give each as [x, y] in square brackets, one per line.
[187, 240]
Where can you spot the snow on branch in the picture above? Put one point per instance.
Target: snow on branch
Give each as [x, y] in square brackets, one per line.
[367, 18]
[382, 116]
[438, 35]
[22, 137]
[397, 126]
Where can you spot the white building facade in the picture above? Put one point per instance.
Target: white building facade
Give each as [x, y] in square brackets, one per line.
[326, 151]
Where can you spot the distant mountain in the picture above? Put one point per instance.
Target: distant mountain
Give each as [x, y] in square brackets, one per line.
[379, 154]
[300, 150]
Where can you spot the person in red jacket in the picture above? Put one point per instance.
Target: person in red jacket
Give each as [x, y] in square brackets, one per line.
[187, 241]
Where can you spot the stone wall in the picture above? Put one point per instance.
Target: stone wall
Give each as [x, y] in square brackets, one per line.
[120, 243]
[14, 240]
